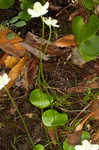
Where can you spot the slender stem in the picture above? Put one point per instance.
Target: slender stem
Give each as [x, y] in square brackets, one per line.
[25, 126]
[40, 73]
[55, 130]
[49, 38]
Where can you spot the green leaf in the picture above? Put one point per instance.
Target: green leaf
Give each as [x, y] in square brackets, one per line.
[66, 146]
[39, 147]
[27, 4]
[20, 24]
[85, 136]
[52, 118]
[5, 4]
[84, 31]
[90, 48]
[14, 19]
[24, 15]
[40, 99]
[11, 36]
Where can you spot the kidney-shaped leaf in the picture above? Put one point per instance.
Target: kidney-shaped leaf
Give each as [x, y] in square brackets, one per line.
[52, 118]
[5, 4]
[84, 31]
[90, 48]
[40, 99]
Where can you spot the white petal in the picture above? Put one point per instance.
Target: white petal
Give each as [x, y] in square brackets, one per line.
[33, 13]
[79, 147]
[37, 5]
[56, 25]
[54, 21]
[85, 142]
[4, 80]
[43, 12]
[45, 7]
[94, 147]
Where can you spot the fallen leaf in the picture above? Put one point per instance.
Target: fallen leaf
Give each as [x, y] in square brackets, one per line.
[65, 41]
[16, 70]
[10, 61]
[81, 125]
[11, 44]
[2, 59]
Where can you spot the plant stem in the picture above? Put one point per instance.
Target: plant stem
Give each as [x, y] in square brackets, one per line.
[49, 38]
[25, 126]
[40, 65]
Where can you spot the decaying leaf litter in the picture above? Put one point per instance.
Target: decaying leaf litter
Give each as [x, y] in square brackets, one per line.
[62, 75]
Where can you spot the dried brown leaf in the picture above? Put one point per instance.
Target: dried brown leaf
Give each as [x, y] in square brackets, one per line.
[65, 41]
[16, 70]
[11, 46]
[2, 59]
[10, 61]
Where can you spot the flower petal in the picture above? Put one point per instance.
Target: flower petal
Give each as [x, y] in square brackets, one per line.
[94, 147]
[45, 7]
[33, 13]
[79, 147]
[37, 5]
[4, 80]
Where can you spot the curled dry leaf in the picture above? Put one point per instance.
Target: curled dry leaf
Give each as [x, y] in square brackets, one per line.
[65, 41]
[16, 70]
[80, 126]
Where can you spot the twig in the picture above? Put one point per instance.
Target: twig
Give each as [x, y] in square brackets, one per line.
[81, 112]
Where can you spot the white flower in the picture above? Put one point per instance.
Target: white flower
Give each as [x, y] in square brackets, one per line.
[38, 10]
[50, 21]
[87, 146]
[4, 80]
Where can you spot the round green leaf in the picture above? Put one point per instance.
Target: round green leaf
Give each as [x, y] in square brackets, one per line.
[84, 31]
[85, 136]
[66, 146]
[40, 99]
[90, 48]
[5, 4]
[52, 118]
[20, 24]
[39, 147]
